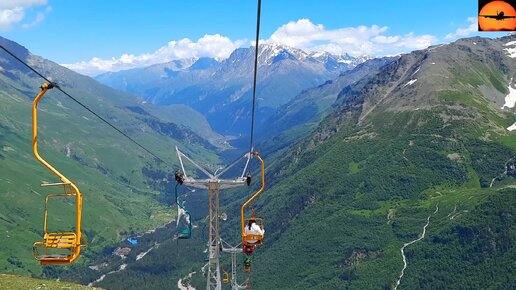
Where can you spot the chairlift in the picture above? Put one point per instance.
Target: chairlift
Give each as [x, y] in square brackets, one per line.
[247, 265]
[251, 239]
[63, 247]
[184, 231]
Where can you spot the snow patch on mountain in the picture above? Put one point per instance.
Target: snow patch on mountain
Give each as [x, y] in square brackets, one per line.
[511, 50]
[510, 99]
[410, 82]
[512, 127]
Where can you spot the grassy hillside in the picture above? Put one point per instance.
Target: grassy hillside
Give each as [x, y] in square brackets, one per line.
[122, 184]
[12, 282]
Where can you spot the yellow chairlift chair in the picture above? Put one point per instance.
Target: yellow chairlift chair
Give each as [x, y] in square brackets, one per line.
[57, 248]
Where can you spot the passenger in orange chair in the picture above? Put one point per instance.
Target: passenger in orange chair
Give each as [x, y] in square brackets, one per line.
[253, 229]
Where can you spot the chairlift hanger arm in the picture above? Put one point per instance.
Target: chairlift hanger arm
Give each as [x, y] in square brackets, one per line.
[44, 88]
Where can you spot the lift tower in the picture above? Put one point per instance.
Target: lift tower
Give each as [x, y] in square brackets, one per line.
[213, 184]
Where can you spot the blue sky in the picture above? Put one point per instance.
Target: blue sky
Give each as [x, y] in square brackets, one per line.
[93, 36]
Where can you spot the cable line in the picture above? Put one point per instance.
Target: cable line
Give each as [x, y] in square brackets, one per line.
[255, 71]
[84, 106]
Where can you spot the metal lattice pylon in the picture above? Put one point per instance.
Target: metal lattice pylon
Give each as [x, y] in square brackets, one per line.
[213, 184]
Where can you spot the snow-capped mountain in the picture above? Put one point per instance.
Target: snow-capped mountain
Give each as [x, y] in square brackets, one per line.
[222, 90]
[333, 61]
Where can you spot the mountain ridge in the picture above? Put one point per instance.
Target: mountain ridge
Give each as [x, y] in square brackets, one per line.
[225, 87]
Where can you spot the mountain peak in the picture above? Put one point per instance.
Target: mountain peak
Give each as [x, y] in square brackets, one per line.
[335, 61]
[204, 63]
[179, 64]
[270, 53]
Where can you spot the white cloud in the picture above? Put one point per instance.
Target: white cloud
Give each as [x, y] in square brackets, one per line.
[415, 42]
[462, 32]
[10, 16]
[13, 11]
[9, 4]
[216, 46]
[357, 41]
[39, 18]
[386, 39]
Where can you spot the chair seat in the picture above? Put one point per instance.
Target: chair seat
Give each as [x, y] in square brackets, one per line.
[50, 258]
[253, 240]
[184, 233]
[53, 257]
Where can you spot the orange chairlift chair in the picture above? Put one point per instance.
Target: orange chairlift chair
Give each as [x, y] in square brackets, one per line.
[57, 248]
[250, 241]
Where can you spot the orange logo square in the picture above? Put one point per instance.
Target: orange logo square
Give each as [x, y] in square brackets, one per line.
[496, 15]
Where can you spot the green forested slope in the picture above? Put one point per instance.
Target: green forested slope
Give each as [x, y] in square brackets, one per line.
[117, 178]
[344, 201]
